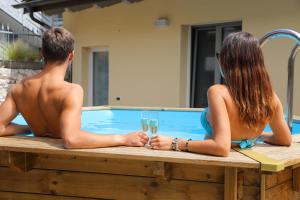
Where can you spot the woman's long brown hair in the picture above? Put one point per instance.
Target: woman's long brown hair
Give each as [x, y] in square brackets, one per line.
[247, 79]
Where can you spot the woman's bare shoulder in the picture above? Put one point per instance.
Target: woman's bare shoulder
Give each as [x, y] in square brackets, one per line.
[218, 89]
[276, 100]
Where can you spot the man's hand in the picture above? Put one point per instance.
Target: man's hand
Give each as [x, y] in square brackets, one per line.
[137, 139]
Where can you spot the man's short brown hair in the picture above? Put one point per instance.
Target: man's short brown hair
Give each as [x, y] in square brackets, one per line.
[58, 43]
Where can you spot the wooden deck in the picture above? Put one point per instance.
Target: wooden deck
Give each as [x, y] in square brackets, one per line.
[55, 146]
[35, 168]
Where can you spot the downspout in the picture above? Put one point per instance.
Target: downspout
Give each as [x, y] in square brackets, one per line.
[31, 15]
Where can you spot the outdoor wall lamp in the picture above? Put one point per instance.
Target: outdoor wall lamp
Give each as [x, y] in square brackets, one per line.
[162, 22]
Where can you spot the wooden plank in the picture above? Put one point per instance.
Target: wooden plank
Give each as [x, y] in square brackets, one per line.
[288, 155]
[296, 138]
[295, 195]
[278, 178]
[162, 171]
[251, 177]
[267, 163]
[28, 196]
[213, 174]
[133, 167]
[21, 161]
[250, 193]
[178, 171]
[240, 185]
[3, 158]
[296, 179]
[263, 187]
[55, 146]
[92, 185]
[130, 167]
[141, 108]
[95, 164]
[230, 183]
[280, 192]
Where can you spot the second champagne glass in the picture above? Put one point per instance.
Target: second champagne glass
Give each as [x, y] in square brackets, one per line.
[153, 123]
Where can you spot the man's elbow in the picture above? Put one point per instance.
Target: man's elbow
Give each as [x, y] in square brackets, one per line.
[2, 131]
[70, 142]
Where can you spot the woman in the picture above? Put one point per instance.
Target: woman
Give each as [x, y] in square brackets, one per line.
[238, 111]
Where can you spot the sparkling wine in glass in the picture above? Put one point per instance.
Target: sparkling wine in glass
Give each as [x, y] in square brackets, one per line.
[153, 124]
[145, 121]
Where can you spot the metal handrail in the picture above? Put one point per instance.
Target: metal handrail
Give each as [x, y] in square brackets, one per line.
[286, 33]
[290, 90]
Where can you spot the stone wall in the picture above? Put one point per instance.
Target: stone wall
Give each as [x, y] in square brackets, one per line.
[8, 77]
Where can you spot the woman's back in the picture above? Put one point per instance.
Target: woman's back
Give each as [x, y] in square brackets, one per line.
[239, 130]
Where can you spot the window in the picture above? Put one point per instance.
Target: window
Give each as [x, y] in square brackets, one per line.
[99, 77]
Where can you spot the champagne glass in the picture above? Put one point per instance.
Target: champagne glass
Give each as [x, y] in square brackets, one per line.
[145, 125]
[145, 121]
[153, 123]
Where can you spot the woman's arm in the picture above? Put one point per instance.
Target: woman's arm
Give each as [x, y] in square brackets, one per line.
[219, 144]
[280, 135]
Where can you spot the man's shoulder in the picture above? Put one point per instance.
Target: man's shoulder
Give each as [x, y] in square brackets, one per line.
[73, 91]
[16, 88]
[74, 88]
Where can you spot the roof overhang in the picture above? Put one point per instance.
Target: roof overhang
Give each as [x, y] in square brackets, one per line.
[59, 6]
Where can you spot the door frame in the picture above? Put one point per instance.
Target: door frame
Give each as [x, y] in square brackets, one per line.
[91, 70]
[191, 58]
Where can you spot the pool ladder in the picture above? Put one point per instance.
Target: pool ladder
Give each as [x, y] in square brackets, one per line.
[287, 33]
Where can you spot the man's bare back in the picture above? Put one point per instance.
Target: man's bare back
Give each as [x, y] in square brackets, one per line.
[51, 106]
[45, 97]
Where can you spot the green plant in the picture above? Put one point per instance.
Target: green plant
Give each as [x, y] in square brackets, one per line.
[20, 51]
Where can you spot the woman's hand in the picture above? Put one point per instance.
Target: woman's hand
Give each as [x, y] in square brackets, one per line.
[135, 139]
[161, 142]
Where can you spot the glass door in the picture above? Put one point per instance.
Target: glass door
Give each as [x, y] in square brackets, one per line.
[100, 78]
[206, 41]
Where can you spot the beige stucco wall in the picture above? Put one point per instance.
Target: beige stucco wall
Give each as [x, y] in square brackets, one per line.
[148, 66]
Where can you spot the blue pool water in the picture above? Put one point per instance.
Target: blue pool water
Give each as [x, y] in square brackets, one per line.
[183, 124]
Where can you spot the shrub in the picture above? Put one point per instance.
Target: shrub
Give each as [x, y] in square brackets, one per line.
[20, 51]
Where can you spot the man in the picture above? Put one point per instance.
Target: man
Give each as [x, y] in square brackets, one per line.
[51, 106]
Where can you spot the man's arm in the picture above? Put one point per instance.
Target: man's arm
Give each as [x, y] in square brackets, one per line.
[8, 111]
[74, 137]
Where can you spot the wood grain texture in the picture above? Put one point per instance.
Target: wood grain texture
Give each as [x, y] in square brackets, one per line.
[179, 171]
[3, 158]
[280, 192]
[129, 167]
[21, 161]
[289, 156]
[91, 185]
[263, 187]
[28, 196]
[230, 183]
[275, 179]
[55, 146]
[296, 179]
